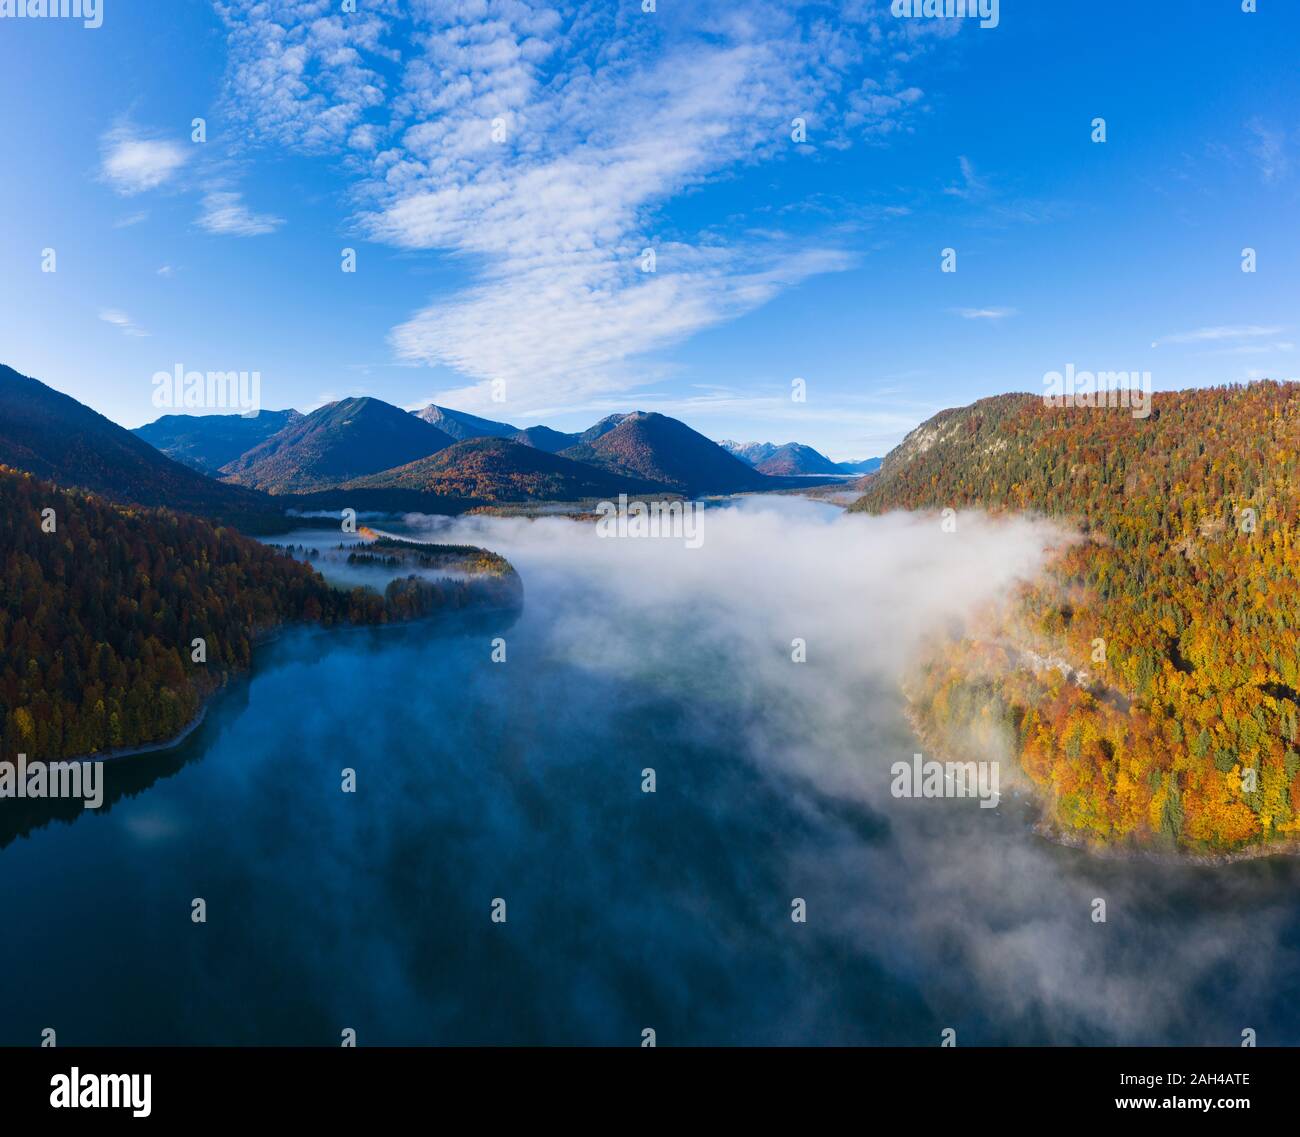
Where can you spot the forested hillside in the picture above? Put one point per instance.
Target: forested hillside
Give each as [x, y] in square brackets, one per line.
[53, 436]
[498, 469]
[1149, 684]
[98, 617]
[208, 442]
[337, 442]
[663, 450]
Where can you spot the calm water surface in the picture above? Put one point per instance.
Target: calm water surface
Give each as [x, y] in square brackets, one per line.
[626, 910]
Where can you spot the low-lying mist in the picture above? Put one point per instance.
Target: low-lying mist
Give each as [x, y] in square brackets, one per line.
[522, 780]
[984, 918]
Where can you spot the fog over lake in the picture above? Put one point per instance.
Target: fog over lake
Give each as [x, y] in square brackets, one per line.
[626, 910]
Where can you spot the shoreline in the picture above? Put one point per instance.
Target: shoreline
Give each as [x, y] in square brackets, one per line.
[152, 747]
[259, 640]
[1049, 832]
[269, 638]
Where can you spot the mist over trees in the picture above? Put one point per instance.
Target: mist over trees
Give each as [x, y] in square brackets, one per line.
[1149, 682]
[103, 608]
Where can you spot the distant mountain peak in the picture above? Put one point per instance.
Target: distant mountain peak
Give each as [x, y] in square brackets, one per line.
[461, 425]
[655, 447]
[794, 459]
[208, 442]
[336, 443]
[544, 438]
[749, 452]
[604, 426]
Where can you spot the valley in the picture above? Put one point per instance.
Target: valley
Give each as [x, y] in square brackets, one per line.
[1184, 736]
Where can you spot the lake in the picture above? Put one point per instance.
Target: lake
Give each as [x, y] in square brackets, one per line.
[523, 781]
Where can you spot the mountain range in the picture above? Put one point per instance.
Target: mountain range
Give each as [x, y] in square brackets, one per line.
[367, 444]
[250, 471]
[335, 444]
[208, 442]
[794, 459]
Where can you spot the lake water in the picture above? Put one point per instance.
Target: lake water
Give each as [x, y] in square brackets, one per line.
[522, 780]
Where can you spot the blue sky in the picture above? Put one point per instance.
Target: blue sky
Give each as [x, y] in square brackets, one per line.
[518, 258]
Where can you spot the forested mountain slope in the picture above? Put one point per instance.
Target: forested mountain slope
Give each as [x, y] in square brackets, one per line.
[498, 469]
[51, 435]
[208, 442]
[337, 442]
[1149, 685]
[659, 449]
[98, 617]
[460, 425]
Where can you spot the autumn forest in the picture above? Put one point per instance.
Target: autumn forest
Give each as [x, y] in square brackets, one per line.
[1147, 686]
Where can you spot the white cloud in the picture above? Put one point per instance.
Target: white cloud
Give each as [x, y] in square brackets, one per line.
[605, 121]
[879, 111]
[564, 334]
[1255, 349]
[224, 213]
[121, 321]
[1220, 333]
[972, 185]
[298, 76]
[984, 313]
[1268, 148]
[133, 163]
